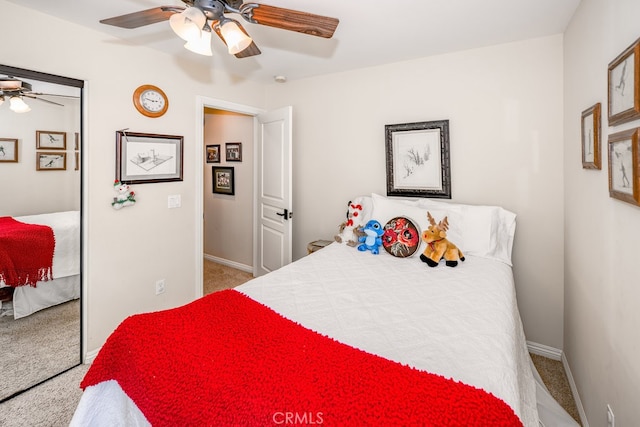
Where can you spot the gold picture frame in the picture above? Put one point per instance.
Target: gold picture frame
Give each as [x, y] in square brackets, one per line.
[590, 132]
[624, 86]
[51, 161]
[623, 166]
[51, 140]
[8, 150]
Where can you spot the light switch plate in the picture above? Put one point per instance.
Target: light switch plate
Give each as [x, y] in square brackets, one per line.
[174, 201]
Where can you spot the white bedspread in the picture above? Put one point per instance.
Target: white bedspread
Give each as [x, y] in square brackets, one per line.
[460, 322]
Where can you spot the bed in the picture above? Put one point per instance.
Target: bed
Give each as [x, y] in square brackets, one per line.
[62, 283]
[339, 337]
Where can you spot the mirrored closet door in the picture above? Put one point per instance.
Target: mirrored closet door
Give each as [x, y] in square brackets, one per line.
[40, 227]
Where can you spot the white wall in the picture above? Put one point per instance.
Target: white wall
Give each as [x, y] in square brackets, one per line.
[228, 220]
[24, 190]
[602, 310]
[127, 250]
[504, 104]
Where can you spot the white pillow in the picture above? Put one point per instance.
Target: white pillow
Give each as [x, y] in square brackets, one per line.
[499, 223]
[385, 209]
[485, 231]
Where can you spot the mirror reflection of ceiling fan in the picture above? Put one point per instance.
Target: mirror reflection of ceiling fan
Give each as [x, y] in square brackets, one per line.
[195, 22]
[15, 90]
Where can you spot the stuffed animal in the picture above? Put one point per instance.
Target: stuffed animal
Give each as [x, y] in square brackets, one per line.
[125, 197]
[438, 246]
[373, 237]
[350, 231]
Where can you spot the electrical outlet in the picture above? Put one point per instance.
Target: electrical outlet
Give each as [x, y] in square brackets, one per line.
[611, 419]
[160, 287]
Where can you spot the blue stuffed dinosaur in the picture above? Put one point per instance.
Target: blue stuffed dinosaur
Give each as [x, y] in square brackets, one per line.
[372, 239]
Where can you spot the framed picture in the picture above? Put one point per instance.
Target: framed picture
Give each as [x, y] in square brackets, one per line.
[77, 166]
[624, 86]
[50, 140]
[623, 166]
[418, 159]
[50, 161]
[77, 141]
[223, 181]
[146, 157]
[591, 138]
[234, 151]
[213, 153]
[8, 150]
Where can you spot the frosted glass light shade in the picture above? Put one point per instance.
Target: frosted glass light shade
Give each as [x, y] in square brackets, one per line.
[188, 23]
[236, 39]
[18, 105]
[202, 45]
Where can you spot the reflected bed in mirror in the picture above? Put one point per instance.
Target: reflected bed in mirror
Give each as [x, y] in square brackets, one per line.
[40, 230]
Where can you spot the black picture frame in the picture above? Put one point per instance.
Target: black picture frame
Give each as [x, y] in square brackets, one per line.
[233, 151]
[213, 153]
[223, 180]
[143, 158]
[418, 159]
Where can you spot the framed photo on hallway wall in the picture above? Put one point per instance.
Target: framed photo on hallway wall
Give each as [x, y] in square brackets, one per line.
[213, 153]
[223, 180]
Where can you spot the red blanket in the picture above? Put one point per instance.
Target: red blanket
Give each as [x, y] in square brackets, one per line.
[26, 252]
[226, 360]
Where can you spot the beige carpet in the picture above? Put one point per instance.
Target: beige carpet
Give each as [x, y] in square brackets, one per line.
[553, 375]
[218, 277]
[52, 403]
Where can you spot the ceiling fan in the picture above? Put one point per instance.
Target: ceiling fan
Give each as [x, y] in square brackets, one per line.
[16, 89]
[195, 22]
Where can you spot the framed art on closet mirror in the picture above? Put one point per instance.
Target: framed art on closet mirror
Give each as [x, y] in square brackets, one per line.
[50, 161]
[8, 150]
[51, 140]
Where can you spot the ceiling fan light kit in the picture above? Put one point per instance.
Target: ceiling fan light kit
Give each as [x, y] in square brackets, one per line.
[17, 105]
[200, 45]
[194, 21]
[236, 40]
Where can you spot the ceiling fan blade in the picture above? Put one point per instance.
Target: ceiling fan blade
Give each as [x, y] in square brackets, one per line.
[53, 94]
[288, 19]
[43, 100]
[251, 50]
[143, 17]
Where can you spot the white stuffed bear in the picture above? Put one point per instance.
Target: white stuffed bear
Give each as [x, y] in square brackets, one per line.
[357, 215]
[125, 196]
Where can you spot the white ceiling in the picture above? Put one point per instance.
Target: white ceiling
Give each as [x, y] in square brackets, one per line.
[372, 32]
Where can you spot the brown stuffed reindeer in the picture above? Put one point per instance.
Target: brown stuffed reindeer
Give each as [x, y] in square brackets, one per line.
[438, 246]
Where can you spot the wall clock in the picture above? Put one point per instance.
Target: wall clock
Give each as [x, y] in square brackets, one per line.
[150, 101]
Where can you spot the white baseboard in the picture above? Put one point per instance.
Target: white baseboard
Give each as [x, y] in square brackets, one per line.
[90, 356]
[544, 350]
[556, 354]
[232, 264]
[574, 392]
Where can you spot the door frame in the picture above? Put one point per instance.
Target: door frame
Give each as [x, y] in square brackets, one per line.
[201, 103]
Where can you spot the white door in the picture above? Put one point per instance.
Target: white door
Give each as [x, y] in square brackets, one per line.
[273, 192]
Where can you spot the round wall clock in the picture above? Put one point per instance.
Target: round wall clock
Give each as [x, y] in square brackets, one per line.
[150, 101]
